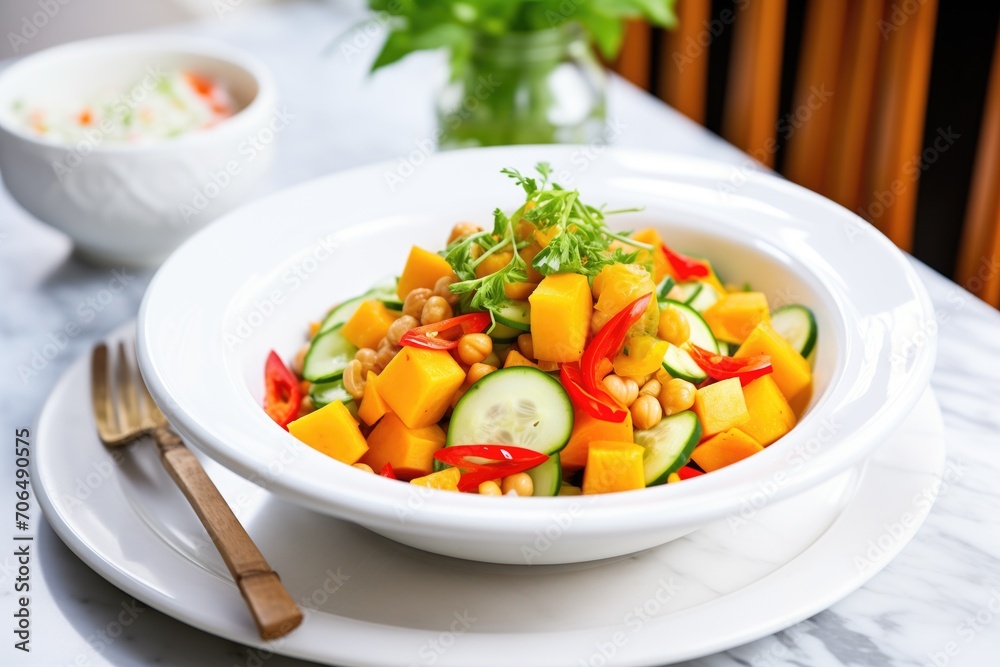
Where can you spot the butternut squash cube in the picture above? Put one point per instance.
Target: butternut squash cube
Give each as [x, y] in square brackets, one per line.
[791, 372]
[369, 324]
[724, 449]
[519, 291]
[418, 385]
[613, 466]
[409, 450]
[423, 269]
[515, 358]
[561, 307]
[587, 429]
[770, 414]
[445, 480]
[373, 407]
[661, 267]
[720, 406]
[735, 315]
[494, 263]
[333, 431]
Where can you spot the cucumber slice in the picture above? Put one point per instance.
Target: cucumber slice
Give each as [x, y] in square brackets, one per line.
[705, 298]
[519, 406]
[701, 333]
[547, 477]
[392, 304]
[668, 445]
[501, 334]
[327, 357]
[797, 325]
[679, 364]
[686, 292]
[515, 314]
[342, 312]
[324, 393]
[664, 287]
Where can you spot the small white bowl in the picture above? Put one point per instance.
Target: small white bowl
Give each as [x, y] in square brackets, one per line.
[124, 203]
[203, 358]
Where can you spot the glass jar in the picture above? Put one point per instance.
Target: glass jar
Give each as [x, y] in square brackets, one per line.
[538, 87]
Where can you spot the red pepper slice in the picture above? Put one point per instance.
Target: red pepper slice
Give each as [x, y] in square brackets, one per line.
[687, 472]
[685, 268]
[506, 460]
[720, 367]
[387, 471]
[599, 405]
[609, 341]
[439, 336]
[282, 396]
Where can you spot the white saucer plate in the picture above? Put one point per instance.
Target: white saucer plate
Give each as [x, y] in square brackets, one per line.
[370, 601]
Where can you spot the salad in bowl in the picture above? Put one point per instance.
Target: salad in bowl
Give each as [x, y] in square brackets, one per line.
[547, 355]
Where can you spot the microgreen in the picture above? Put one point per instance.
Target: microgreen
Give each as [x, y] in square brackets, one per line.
[579, 241]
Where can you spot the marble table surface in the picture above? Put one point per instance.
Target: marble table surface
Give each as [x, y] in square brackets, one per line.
[937, 603]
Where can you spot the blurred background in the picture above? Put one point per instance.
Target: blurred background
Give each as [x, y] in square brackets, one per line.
[744, 69]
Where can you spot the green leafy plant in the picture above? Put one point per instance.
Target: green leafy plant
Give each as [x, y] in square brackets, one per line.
[415, 25]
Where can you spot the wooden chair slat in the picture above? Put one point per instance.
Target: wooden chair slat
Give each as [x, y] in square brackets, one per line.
[980, 247]
[683, 78]
[809, 124]
[751, 110]
[899, 126]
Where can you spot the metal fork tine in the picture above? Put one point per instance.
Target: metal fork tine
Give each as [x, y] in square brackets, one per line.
[128, 417]
[100, 395]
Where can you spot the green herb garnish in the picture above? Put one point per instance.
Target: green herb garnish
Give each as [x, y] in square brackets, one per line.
[580, 241]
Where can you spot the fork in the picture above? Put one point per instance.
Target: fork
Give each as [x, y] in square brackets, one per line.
[121, 421]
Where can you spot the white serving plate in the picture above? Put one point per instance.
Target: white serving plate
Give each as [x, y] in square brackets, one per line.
[372, 602]
[252, 281]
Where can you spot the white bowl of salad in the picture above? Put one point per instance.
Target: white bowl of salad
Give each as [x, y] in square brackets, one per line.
[656, 354]
[130, 144]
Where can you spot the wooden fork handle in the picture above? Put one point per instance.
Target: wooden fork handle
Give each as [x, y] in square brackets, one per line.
[273, 609]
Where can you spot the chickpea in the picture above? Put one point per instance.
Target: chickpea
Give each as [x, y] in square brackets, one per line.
[435, 310]
[462, 229]
[623, 390]
[400, 327]
[518, 483]
[490, 488]
[367, 357]
[526, 346]
[299, 359]
[478, 372]
[413, 305]
[651, 388]
[646, 412]
[442, 289]
[640, 380]
[663, 377]
[473, 348]
[354, 380]
[677, 396]
[363, 467]
[673, 327]
[384, 356]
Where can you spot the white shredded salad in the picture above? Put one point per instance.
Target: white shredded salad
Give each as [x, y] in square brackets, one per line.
[158, 107]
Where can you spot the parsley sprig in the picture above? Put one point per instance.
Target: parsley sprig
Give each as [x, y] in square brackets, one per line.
[579, 241]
